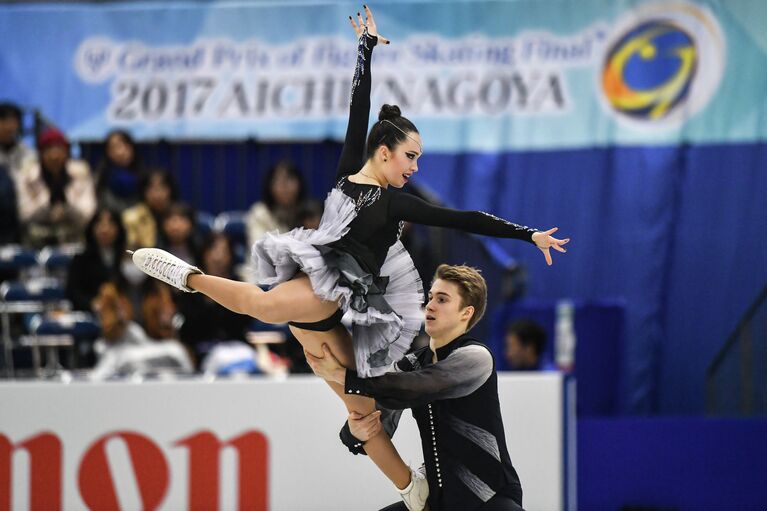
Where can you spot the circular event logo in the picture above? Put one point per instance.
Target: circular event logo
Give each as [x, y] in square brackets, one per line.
[662, 64]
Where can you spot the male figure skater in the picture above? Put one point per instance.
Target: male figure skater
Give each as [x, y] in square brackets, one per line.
[452, 388]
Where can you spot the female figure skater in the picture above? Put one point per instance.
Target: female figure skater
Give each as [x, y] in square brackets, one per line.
[353, 263]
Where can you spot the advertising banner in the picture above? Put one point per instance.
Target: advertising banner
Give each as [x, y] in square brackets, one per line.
[242, 445]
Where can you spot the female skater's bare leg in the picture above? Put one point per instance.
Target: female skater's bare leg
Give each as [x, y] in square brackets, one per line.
[295, 300]
[379, 448]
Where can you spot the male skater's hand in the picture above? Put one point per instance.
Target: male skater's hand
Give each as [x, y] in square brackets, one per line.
[545, 241]
[365, 427]
[328, 367]
[369, 22]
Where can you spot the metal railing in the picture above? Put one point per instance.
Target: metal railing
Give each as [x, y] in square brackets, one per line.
[736, 379]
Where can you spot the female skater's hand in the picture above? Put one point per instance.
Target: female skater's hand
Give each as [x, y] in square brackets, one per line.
[369, 22]
[545, 241]
[365, 427]
[328, 367]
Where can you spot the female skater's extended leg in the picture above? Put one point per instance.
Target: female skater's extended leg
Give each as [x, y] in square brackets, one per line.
[379, 448]
[293, 300]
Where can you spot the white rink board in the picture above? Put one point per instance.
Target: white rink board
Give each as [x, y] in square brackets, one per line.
[307, 468]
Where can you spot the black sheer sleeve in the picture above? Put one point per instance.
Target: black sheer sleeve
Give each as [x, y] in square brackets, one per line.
[460, 374]
[408, 207]
[389, 421]
[353, 152]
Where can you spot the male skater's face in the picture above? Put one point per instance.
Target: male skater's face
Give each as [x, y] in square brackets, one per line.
[444, 310]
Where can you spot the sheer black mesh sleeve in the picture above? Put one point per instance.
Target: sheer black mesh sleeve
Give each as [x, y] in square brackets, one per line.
[460, 374]
[408, 207]
[353, 152]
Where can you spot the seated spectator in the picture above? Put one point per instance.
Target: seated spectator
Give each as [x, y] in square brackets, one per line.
[525, 342]
[282, 194]
[124, 347]
[56, 196]
[101, 261]
[158, 311]
[9, 213]
[119, 173]
[204, 321]
[178, 229]
[14, 153]
[158, 192]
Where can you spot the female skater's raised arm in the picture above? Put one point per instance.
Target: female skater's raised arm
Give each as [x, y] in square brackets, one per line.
[353, 153]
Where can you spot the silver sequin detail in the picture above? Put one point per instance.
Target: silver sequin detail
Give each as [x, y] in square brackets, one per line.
[368, 198]
[413, 359]
[477, 435]
[359, 70]
[512, 224]
[475, 484]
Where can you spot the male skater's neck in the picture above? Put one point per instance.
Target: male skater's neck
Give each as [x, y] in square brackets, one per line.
[443, 339]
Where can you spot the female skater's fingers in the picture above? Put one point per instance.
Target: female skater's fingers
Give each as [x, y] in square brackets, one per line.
[360, 20]
[551, 231]
[372, 27]
[547, 255]
[357, 28]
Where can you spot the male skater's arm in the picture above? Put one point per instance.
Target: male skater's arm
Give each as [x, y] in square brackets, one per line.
[460, 374]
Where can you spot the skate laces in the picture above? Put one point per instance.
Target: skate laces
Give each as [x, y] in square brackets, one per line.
[166, 268]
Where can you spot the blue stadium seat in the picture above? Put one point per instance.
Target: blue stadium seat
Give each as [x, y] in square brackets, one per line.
[23, 298]
[57, 258]
[205, 223]
[233, 225]
[14, 257]
[55, 331]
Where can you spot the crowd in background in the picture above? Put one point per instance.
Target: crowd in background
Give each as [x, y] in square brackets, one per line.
[48, 198]
[51, 199]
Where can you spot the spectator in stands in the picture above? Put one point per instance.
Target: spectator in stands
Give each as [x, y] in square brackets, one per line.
[14, 153]
[119, 173]
[525, 342]
[9, 214]
[101, 262]
[178, 231]
[283, 193]
[310, 214]
[56, 195]
[158, 192]
[205, 321]
[124, 347]
[158, 311]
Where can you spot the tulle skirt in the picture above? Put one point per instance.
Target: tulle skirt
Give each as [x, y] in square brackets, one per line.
[385, 309]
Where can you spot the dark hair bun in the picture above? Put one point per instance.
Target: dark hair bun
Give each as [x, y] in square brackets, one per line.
[389, 112]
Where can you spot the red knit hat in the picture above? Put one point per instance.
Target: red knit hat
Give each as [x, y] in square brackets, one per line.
[51, 136]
